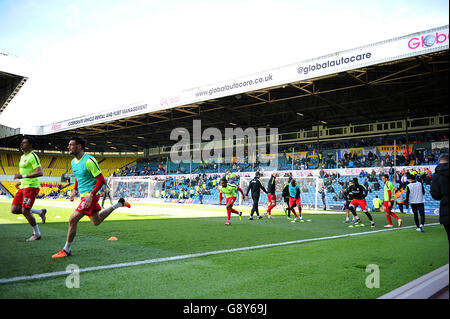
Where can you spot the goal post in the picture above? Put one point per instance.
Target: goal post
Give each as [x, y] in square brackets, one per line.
[309, 187]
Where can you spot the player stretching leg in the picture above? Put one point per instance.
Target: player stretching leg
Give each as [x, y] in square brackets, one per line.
[389, 201]
[359, 193]
[229, 190]
[88, 182]
[29, 171]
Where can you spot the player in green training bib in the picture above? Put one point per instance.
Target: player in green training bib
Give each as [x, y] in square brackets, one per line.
[88, 183]
[389, 201]
[229, 190]
[28, 188]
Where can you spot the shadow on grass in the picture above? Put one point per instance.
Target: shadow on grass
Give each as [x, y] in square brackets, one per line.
[155, 238]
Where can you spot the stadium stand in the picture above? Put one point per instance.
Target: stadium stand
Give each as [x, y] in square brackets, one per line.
[366, 153]
[55, 189]
[110, 165]
[53, 167]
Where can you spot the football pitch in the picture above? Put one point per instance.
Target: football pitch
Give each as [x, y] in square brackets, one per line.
[176, 251]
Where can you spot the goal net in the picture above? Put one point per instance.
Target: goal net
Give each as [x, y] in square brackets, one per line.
[136, 187]
[309, 187]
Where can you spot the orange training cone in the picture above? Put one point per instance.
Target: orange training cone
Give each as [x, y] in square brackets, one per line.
[113, 238]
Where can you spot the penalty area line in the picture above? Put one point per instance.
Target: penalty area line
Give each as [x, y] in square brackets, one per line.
[189, 256]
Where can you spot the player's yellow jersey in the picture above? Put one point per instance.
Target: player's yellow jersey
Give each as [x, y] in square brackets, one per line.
[28, 163]
[229, 190]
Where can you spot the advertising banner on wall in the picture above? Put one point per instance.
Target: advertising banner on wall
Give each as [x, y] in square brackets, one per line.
[419, 43]
[391, 150]
[439, 145]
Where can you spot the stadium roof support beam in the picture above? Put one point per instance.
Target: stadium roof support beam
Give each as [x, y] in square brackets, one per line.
[134, 121]
[231, 109]
[258, 96]
[372, 87]
[96, 129]
[316, 93]
[188, 111]
[159, 116]
[114, 125]
[406, 77]
[382, 79]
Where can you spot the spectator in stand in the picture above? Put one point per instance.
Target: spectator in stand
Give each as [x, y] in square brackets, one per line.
[321, 173]
[405, 154]
[376, 204]
[370, 158]
[351, 164]
[366, 184]
[373, 175]
[420, 156]
[428, 176]
[403, 180]
[397, 177]
[400, 198]
[376, 185]
[330, 189]
[323, 194]
[391, 173]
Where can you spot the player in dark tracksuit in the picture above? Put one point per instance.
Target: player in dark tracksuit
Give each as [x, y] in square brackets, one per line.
[286, 196]
[359, 193]
[255, 186]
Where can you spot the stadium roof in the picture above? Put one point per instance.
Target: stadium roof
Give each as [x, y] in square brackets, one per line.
[12, 78]
[393, 79]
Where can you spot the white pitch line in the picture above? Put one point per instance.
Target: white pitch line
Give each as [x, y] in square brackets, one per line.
[181, 257]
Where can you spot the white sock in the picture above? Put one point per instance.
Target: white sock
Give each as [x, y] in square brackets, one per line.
[36, 211]
[67, 246]
[36, 230]
[117, 205]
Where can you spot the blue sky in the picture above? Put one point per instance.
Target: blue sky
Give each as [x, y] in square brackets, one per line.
[87, 56]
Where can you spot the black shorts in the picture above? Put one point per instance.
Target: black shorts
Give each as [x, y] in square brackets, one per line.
[347, 204]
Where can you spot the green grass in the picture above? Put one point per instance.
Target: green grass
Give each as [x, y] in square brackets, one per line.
[332, 268]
